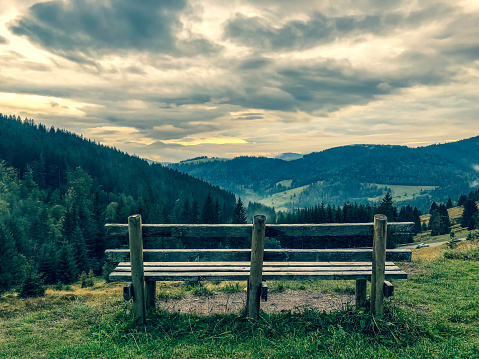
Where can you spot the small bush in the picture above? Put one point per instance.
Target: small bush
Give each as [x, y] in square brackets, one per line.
[32, 285]
[107, 268]
[87, 280]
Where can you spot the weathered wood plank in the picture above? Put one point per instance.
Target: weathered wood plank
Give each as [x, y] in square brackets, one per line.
[232, 276]
[270, 255]
[388, 289]
[150, 294]
[379, 259]
[361, 285]
[272, 230]
[136, 247]
[247, 269]
[256, 268]
[241, 264]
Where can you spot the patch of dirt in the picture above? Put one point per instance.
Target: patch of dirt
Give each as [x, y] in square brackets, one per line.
[277, 302]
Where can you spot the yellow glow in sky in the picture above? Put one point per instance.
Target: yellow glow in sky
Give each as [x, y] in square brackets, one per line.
[213, 140]
[36, 104]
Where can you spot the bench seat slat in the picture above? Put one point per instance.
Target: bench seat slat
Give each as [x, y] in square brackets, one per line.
[247, 269]
[241, 264]
[232, 276]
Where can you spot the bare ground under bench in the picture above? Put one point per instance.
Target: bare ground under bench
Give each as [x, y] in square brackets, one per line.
[277, 302]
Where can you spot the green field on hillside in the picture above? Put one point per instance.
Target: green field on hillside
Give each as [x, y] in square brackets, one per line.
[402, 193]
[281, 201]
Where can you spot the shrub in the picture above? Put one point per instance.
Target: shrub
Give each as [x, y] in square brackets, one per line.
[32, 285]
[87, 280]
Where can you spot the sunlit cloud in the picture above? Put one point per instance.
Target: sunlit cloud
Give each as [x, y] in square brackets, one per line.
[215, 141]
[36, 104]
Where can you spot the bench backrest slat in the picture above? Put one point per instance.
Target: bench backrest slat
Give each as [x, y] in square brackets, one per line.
[270, 255]
[272, 230]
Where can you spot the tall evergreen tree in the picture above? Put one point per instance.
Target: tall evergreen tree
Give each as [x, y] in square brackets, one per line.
[469, 215]
[239, 213]
[195, 212]
[208, 213]
[387, 208]
[449, 204]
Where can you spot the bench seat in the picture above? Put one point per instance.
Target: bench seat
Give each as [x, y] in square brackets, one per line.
[227, 271]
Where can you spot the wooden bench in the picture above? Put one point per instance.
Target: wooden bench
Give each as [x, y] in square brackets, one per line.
[147, 266]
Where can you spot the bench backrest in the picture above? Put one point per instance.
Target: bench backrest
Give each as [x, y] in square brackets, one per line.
[204, 234]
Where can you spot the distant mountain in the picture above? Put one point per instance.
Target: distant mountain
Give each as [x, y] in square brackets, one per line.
[289, 156]
[358, 173]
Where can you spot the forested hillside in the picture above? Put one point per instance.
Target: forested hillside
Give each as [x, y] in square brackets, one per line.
[350, 173]
[57, 190]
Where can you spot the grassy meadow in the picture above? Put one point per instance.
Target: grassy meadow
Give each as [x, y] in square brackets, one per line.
[434, 314]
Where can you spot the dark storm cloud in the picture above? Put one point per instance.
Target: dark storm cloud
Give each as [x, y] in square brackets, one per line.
[4, 40]
[83, 30]
[306, 85]
[261, 34]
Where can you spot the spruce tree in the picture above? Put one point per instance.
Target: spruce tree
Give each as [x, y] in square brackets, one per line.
[208, 212]
[195, 212]
[435, 223]
[387, 208]
[445, 221]
[449, 204]
[66, 264]
[469, 215]
[239, 213]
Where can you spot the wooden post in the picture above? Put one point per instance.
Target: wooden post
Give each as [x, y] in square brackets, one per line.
[150, 294]
[378, 265]
[361, 292]
[256, 269]
[137, 274]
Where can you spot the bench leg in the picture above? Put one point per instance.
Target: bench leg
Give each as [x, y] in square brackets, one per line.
[361, 293]
[150, 294]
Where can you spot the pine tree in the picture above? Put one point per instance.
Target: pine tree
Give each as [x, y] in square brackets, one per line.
[417, 220]
[48, 263]
[185, 214]
[387, 208]
[195, 212]
[79, 252]
[462, 200]
[208, 212]
[239, 213]
[469, 216]
[445, 221]
[449, 204]
[66, 264]
[435, 223]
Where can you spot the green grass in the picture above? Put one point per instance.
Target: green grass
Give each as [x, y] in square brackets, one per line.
[434, 314]
[281, 200]
[402, 193]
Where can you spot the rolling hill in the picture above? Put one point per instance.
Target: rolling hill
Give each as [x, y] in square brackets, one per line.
[357, 173]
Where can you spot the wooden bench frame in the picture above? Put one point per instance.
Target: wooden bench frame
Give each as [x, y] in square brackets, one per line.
[146, 266]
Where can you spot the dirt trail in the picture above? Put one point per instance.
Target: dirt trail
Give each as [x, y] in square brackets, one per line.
[277, 302]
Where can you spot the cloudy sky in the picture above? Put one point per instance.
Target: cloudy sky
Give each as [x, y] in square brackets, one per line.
[174, 79]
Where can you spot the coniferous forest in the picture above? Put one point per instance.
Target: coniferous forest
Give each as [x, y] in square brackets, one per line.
[57, 191]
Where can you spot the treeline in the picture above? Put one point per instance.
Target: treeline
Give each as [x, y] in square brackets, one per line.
[353, 213]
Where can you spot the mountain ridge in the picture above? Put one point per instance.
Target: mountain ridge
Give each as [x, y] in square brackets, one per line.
[345, 172]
